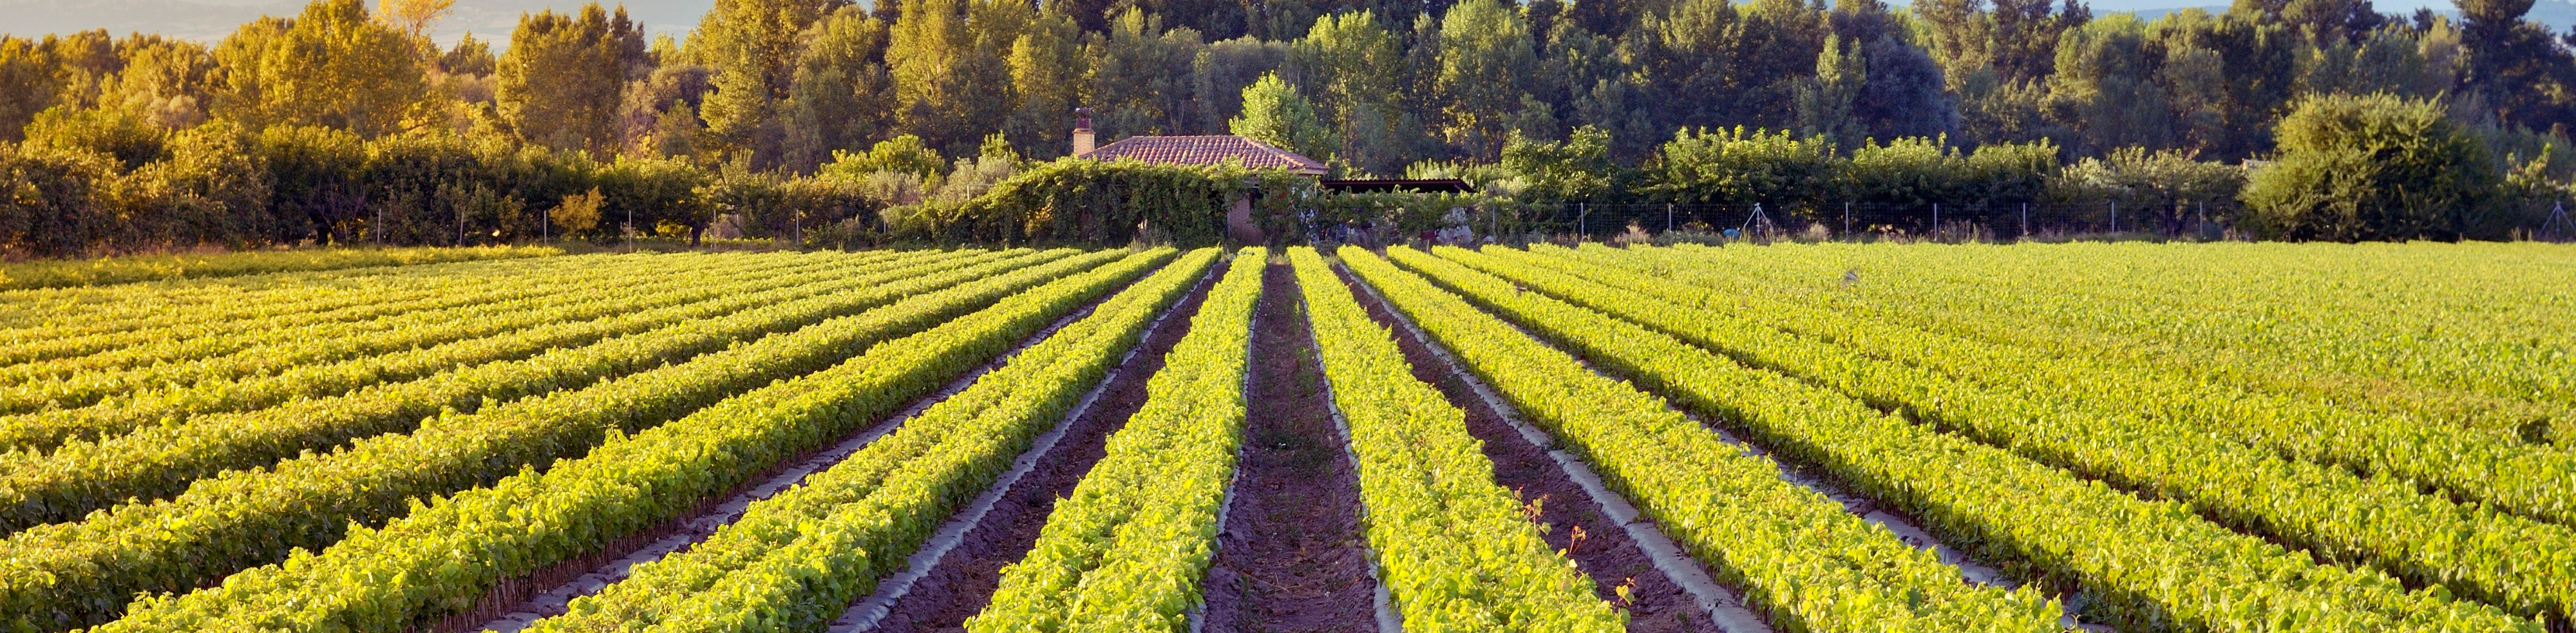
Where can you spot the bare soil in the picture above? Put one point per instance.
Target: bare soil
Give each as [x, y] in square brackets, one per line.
[965, 578]
[1291, 558]
[1606, 553]
[515, 602]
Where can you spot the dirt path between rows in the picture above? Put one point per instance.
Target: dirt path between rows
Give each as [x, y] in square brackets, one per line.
[963, 582]
[1607, 553]
[1291, 558]
[515, 603]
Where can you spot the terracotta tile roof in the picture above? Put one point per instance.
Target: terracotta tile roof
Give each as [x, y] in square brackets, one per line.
[1206, 150]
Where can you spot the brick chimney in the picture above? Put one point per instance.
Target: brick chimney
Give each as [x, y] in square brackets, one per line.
[1082, 131]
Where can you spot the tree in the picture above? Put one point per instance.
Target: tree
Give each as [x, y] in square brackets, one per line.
[165, 81]
[1486, 60]
[2026, 34]
[2514, 64]
[751, 47]
[314, 178]
[1738, 166]
[1274, 113]
[1354, 66]
[1221, 71]
[1904, 92]
[128, 140]
[903, 154]
[558, 84]
[468, 57]
[576, 214]
[2375, 167]
[2255, 75]
[2105, 87]
[840, 97]
[1825, 103]
[413, 18]
[1047, 68]
[1141, 77]
[1576, 169]
[329, 66]
[2171, 186]
[27, 83]
[951, 81]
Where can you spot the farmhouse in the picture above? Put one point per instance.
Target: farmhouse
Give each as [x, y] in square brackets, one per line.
[1199, 150]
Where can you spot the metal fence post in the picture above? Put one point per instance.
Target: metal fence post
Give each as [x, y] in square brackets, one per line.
[2115, 216]
[2025, 221]
[1936, 220]
[1668, 217]
[1582, 221]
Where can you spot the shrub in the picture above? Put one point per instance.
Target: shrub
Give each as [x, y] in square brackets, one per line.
[2375, 167]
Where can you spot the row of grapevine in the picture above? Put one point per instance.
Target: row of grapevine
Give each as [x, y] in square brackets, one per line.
[71, 574]
[154, 462]
[156, 267]
[1128, 550]
[21, 309]
[431, 348]
[439, 559]
[1454, 549]
[2525, 565]
[1796, 554]
[2150, 565]
[797, 560]
[75, 382]
[1994, 308]
[173, 327]
[2480, 354]
[2494, 468]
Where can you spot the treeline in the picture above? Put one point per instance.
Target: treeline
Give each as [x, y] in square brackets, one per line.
[781, 117]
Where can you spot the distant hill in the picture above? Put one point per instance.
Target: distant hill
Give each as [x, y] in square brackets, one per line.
[210, 20]
[2560, 15]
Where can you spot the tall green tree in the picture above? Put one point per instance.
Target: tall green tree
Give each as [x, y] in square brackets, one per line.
[751, 47]
[2105, 87]
[1141, 77]
[1274, 113]
[1047, 74]
[2515, 66]
[841, 97]
[951, 81]
[558, 84]
[1825, 104]
[164, 80]
[1486, 61]
[1354, 66]
[329, 65]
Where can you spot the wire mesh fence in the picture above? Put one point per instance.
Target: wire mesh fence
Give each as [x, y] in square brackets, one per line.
[1942, 222]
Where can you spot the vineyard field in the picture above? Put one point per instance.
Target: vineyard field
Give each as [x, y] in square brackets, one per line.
[1739, 438]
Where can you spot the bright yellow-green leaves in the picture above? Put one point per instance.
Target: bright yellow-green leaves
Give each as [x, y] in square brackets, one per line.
[452, 551]
[1128, 550]
[2153, 564]
[244, 518]
[2068, 413]
[117, 270]
[1453, 547]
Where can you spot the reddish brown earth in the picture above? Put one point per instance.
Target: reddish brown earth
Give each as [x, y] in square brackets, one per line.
[965, 578]
[1606, 553]
[1291, 558]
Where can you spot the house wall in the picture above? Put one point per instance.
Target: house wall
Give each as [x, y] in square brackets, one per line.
[1238, 222]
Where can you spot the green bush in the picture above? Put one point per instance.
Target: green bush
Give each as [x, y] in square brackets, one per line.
[1076, 201]
[2375, 167]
